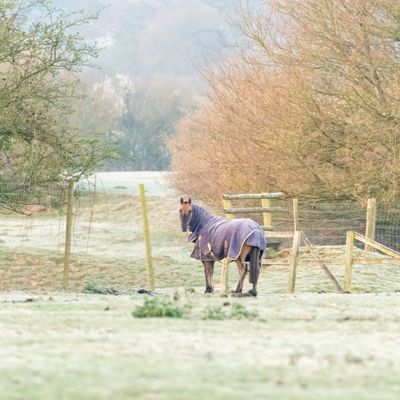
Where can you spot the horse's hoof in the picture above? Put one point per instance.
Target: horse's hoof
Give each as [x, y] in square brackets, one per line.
[208, 291]
[252, 292]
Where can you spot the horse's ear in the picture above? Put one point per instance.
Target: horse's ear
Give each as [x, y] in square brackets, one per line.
[181, 200]
[190, 201]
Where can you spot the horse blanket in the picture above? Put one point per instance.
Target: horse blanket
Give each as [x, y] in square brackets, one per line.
[216, 238]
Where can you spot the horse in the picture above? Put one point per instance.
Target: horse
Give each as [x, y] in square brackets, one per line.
[215, 238]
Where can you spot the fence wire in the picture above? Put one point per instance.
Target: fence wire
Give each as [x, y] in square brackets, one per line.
[387, 230]
[325, 222]
[107, 233]
[32, 217]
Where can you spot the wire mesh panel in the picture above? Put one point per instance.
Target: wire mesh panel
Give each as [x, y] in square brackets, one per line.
[32, 216]
[387, 230]
[325, 222]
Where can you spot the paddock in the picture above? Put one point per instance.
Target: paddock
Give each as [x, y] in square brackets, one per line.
[107, 245]
[307, 344]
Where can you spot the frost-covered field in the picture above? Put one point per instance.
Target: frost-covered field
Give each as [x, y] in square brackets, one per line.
[58, 344]
[306, 346]
[126, 182]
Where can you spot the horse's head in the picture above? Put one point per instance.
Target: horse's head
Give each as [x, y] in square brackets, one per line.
[185, 213]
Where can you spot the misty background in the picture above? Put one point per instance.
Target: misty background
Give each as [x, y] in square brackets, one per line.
[148, 73]
[158, 37]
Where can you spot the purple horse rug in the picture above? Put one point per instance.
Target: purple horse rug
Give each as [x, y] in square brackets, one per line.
[216, 238]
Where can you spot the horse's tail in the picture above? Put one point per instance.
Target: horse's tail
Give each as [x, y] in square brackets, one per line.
[255, 256]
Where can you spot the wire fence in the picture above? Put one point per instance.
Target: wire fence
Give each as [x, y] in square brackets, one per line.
[387, 229]
[107, 244]
[325, 222]
[32, 216]
[107, 234]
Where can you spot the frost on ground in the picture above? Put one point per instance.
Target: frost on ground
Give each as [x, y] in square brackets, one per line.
[71, 345]
[301, 346]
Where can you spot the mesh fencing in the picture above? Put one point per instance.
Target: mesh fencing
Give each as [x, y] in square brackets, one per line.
[107, 245]
[32, 217]
[387, 230]
[325, 222]
[107, 234]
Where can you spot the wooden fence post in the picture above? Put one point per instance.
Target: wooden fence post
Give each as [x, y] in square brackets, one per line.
[294, 261]
[228, 204]
[68, 233]
[348, 260]
[296, 214]
[371, 222]
[149, 259]
[225, 271]
[267, 217]
[225, 265]
[225, 276]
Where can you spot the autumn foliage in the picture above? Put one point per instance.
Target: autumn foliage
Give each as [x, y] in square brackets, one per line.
[310, 106]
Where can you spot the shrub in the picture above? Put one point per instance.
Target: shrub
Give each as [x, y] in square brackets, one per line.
[155, 307]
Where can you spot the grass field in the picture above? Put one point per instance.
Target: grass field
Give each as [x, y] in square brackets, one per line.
[306, 346]
[57, 344]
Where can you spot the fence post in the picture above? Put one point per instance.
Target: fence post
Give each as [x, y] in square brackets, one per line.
[296, 214]
[267, 217]
[68, 233]
[348, 261]
[225, 271]
[293, 261]
[227, 204]
[149, 260]
[371, 222]
[225, 265]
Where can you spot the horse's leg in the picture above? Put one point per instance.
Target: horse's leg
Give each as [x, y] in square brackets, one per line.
[255, 266]
[209, 272]
[242, 274]
[241, 264]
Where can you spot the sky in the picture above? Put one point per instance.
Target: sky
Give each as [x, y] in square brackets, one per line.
[159, 37]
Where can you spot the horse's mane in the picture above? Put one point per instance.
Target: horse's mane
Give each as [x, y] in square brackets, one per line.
[200, 217]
